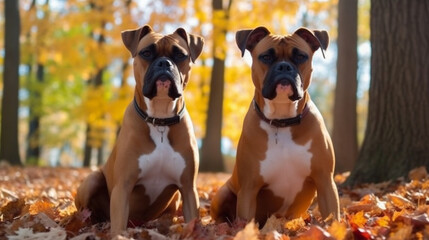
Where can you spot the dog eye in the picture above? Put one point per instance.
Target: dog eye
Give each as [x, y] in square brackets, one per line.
[146, 54]
[299, 57]
[178, 56]
[266, 58]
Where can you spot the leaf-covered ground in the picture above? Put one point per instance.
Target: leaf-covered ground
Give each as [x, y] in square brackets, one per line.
[37, 203]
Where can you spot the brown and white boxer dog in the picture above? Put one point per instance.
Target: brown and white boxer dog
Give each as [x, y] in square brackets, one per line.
[284, 154]
[155, 156]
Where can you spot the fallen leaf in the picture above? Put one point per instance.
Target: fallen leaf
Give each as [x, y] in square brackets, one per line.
[402, 233]
[42, 206]
[273, 224]
[294, 224]
[338, 230]
[399, 201]
[357, 220]
[250, 232]
[383, 221]
[315, 233]
[418, 173]
[417, 221]
[12, 209]
[28, 234]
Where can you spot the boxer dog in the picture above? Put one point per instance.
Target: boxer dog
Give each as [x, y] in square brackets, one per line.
[155, 156]
[284, 154]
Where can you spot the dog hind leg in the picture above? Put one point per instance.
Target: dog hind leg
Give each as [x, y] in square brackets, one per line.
[224, 205]
[93, 195]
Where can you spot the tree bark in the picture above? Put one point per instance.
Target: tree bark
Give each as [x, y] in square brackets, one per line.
[9, 147]
[344, 134]
[397, 134]
[211, 152]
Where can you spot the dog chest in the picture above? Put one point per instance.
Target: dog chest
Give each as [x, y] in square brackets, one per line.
[161, 167]
[286, 164]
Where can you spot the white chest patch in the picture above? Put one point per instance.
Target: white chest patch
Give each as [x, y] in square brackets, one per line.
[286, 165]
[162, 167]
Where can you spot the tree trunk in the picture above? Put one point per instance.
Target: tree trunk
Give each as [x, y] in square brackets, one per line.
[397, 134]
[33, 137]
[87, 151]
[211, 153]
[344, 134]
[9, 148]
[96, 81]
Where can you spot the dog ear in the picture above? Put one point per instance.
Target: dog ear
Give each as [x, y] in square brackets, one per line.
[195, 43]
[315, 39]
[248, 38]
[131, 38]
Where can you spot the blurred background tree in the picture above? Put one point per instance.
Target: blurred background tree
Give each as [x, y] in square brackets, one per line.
[9, 147]
[76, 77]
[345, 118]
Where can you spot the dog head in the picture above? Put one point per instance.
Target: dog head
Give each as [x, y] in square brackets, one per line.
[282, 65]
[162, 63]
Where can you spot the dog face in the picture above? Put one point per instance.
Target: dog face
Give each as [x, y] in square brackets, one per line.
[162, 63]
[282, 65]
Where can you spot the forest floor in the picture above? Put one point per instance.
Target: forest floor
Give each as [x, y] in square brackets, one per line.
[38, 203]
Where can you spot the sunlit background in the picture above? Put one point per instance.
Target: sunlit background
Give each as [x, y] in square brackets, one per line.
[76, 77]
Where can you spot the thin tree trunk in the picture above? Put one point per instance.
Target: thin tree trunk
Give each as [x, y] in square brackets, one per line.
[97, 82]
[9, 147]
[211, 152]
[33, 138]
[344, 134]
[397, 134]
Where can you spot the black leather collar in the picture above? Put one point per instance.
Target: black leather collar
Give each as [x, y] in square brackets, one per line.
[160, 121]
[281, 123]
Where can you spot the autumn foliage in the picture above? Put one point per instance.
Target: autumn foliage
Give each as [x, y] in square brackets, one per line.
[37, 203]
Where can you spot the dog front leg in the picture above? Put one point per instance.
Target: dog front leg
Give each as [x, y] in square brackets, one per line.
[190, 202]
[246, 203]
[119, 208]
[327, 197]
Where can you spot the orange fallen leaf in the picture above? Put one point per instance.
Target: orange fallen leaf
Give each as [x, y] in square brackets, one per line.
[12, 209]
[338, 230]
[315, 233]
[399, 201]
[294, 224]
[358, 220]
[383, 221]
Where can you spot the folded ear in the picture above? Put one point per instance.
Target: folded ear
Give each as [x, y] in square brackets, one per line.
[314, 38]
[248, 38]
[195, 43]
[131, 38]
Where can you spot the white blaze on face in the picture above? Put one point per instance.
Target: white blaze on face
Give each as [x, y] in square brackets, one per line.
[162, 167]
[286, 164]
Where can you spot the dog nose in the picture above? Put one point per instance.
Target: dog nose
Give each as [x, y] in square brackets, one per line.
[284, 67]
[164, 64]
